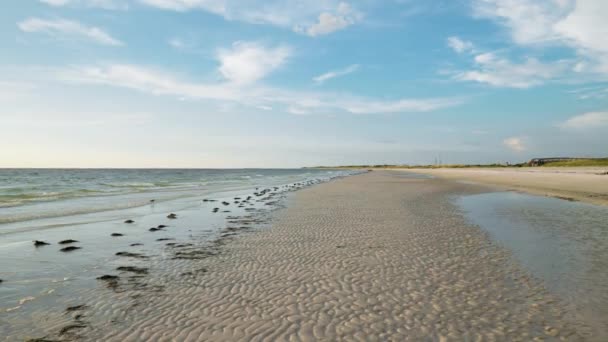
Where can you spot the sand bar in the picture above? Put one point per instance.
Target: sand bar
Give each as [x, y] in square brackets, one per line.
[587, 184]
[373, 257]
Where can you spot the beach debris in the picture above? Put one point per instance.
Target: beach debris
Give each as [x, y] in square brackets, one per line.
[39, 243]
[129, 221]
[67, 329]
[111, 280]
[172, 216]
[42, 339]
[68, 241]
[136, 244]
[132, 255]
[75, 308]
[69, 249]
[117, 234]
[133, 269]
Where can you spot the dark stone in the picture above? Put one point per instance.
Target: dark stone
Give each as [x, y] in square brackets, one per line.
[133, 269]
[172, 216]
[65, 242]
[160, 226]
[107, 277]
[75, 308]
[39, 243]
[69, 328]
[69, 249]
[154, 229]
[132, 255]
[111, 281]
[117, 234]
[136, 244]
[129, 221]
[164, 239]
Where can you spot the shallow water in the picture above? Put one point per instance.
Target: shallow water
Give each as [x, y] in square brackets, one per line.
[38, 281]
[565, 244]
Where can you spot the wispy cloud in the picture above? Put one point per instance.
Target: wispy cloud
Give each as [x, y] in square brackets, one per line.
[459, 45]
[313, 18]
[578, 24]
[586, 121]
[57, 27]
[336, 73]
[158, 82]
[501, 72]
[247, 62]
[105, 4]
[515, 143]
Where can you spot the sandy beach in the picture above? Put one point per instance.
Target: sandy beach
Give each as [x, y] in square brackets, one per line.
[380, 256]
[587, 184]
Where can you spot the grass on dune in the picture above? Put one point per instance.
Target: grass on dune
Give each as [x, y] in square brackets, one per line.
[579, 162]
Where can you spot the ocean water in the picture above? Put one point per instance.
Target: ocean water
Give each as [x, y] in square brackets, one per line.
[562, 243]
[27, 194]
[91, 205]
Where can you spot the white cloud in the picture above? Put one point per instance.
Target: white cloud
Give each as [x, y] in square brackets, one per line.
[329, 22]
[314, 17]
[578, 24]
[515, 143]
[459, 45]
[68, 27]
[501, 72]
[247, 62]
[336, 73]
[586, 121]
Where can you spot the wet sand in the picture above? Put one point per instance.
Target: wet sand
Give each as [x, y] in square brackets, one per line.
[586, 184]
[377, 257]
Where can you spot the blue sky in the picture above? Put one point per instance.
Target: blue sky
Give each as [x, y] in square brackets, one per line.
[251, 83]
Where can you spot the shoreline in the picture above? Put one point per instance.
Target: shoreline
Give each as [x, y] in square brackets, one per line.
[585, 184]
[48, 293]
[346, 259]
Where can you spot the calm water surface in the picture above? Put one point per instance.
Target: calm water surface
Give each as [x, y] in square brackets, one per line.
[563, 243]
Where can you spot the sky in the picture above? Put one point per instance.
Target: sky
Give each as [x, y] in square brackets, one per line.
[291, 83]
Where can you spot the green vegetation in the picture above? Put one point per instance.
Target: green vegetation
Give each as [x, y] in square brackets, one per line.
[579, 162]
[563, 163]
[446, 166]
